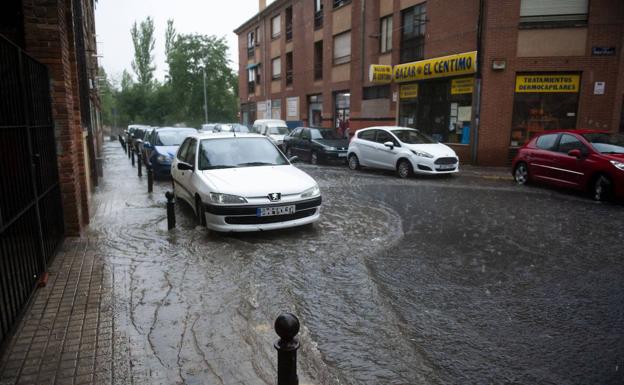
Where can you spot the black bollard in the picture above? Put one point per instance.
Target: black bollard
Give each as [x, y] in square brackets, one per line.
[170, 210]
[128, 149]
[139, 165]
[150, 178]
[132, 150]
[287, 327]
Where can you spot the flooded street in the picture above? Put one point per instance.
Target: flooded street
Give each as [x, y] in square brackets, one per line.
[424, 281]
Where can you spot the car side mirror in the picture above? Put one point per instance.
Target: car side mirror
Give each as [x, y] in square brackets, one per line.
[575, 153]
[293, 159]
[185, 166]
[389, 144]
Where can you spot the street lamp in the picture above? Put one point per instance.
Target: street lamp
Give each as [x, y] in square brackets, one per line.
[205, 99]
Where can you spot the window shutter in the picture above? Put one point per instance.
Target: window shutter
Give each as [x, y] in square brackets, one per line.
[277, 67]
[342, 47]
[276, 26]
[553, 7]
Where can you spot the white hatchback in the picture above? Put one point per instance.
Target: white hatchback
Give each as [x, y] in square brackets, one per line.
[405, 150]
[242, 182]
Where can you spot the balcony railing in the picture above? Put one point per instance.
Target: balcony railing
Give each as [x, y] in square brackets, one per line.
[318, 20]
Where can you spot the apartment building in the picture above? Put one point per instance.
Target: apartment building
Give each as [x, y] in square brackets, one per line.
[480, 75]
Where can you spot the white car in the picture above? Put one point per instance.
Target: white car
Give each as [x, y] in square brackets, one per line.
[405, 150]
[242, 182]
[273, 128]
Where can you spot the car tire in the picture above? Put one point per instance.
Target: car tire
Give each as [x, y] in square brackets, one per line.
[404, 169]
[353, 162]
[314, 159]
[200, 212]
[601, 188]
[521, 173]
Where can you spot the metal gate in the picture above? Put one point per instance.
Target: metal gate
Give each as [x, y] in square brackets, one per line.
[31, 214]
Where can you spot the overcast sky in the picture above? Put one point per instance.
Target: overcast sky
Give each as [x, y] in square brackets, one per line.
[114, 18]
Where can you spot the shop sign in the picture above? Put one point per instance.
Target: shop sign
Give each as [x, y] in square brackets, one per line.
[292, 107]
[459, 64]
[462, 86]
[554, 83]
[409, 91]
[603, 51]
[599, 88]
[380, 74]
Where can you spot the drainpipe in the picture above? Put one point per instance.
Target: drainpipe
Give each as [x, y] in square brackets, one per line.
[362, 38]
[478, 85]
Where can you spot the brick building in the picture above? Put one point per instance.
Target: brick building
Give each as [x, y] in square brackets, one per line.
[61, 35]
[509, 68]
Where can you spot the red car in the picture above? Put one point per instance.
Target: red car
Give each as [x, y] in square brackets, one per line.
[586, 160]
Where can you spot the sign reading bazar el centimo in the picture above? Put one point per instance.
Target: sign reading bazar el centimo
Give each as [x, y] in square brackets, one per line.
[452, 65]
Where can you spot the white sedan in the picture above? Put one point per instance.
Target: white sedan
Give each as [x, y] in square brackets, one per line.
[242, 182]
[405, 150]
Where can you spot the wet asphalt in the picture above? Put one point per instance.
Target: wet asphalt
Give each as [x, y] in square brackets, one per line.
[456, 280]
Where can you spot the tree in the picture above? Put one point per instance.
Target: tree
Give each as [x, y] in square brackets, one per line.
[143, 41]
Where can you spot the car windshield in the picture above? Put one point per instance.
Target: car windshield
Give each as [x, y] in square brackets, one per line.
[413, 137]
[278, 130]
[315, 133]
[172, 138]
[606, 143]
[238, 152]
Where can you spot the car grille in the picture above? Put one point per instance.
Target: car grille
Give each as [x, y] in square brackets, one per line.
[449, 160]
[254, 220]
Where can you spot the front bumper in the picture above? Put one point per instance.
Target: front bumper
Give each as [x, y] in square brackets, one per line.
[243, 218]
[423, 165]
[338, 155]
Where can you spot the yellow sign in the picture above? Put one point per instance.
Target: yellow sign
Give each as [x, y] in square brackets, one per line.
[555, 83]
[380, 74]
[460, 64]
[409, 91]
[462, 86]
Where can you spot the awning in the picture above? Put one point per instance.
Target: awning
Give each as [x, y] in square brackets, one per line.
[250, 66]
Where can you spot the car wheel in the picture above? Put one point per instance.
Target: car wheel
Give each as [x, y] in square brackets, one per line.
[404, 169]
[601, 188]
[200, 212]
[521, 173]
[288, 153]
[354, 162]
[314, 158]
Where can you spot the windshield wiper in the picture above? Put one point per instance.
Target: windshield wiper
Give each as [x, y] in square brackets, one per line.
[257, 164]
[218, 166]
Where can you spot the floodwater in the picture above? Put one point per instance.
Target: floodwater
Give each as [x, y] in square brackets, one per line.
[425, 281]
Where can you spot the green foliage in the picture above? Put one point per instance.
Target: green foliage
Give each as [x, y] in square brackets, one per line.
[180, 98]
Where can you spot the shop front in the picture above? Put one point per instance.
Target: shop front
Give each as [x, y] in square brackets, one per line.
[543, 101]
[435, 96]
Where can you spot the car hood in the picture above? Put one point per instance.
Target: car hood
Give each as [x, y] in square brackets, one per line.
[333, 142]
[618, 157]
[258, 181]
[438, 150]
[167, 150]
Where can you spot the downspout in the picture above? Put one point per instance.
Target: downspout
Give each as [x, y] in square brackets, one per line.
[362, 38]
[478, 85]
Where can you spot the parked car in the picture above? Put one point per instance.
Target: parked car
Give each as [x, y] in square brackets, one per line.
[231, 127]
[405, 150]
[585, 160]
[161, 145]
[316, 144]
[243, 183]
[273, 128]
[209, 127]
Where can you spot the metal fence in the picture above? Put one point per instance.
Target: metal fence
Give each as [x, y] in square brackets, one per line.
[31, 215]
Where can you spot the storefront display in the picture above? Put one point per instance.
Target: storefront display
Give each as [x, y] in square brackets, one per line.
[546, 101]
[342, 112]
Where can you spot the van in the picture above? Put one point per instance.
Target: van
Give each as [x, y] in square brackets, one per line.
[273, 128]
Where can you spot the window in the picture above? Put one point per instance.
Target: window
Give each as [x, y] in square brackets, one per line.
[289, 20]
[553, 12]
[257, 36]
[276, 26]
[189, 156]
[414, 20]
[568, 143]
[318, 14]
[340, 3]
[251, 43]
[305, 134]
[181, 155]
[376, 92]
[367, 135]
[295, 134]
[276, 112]
[342, 48]
[276, 65]
[546, 142]
[385, 39]
[383, 137]
[289, 68]
[251, 80]
[318, 60]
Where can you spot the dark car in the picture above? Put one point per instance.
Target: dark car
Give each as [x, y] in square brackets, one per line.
[586, 160]
[161, 145]
[316, 144]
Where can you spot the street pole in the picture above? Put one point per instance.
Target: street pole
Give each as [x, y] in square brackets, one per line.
[205, 100]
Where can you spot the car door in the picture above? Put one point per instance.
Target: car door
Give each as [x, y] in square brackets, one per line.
[384, 156]
[540, 158]
[291, 141]
[305, 144]
[569, 170]
[366, 147]
[181, 177]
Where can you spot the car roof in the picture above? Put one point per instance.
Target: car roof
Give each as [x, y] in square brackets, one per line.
[175, 128]
[388, 128]
[581, 131]
[262, 121]
[220, 135]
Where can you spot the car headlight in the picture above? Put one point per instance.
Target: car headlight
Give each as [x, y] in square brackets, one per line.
[311, 192]
[617, 164]
[163, 158]
[422, 154]
[226, 199]
[331, 148]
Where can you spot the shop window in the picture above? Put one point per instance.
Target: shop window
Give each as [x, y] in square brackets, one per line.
[276, 27]
[342, 48]
[276, 68]
[251, 44]
[555, 13]
[376, 92]
[546, 142]
[414, 20]
[289, 68]
[342, 112]
[315, 110]
[289, 23]
[318, 60]
[276, 109]
[318, 14]
[385, 40]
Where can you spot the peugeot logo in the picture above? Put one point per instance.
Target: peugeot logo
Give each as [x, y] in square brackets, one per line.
[274, 197]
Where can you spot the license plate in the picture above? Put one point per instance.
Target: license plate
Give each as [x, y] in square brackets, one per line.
[271, 211]
[446, 167]
[342, 155]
